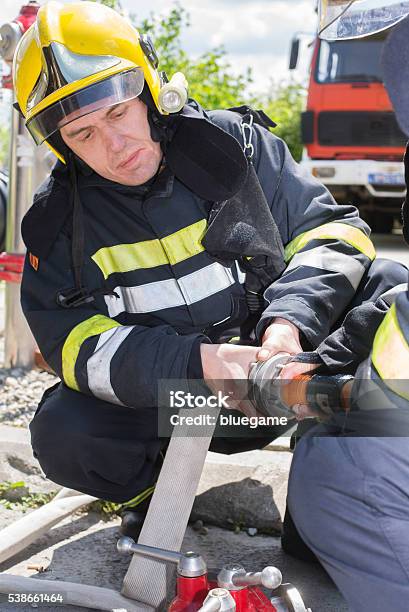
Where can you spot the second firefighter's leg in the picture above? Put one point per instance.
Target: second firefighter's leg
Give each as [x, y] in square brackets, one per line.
[349, 500]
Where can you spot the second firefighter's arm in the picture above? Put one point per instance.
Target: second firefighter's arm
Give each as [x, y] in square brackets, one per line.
[351, 343]
[388, 363]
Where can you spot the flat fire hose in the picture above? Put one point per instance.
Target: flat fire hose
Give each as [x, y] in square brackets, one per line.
[149, 580]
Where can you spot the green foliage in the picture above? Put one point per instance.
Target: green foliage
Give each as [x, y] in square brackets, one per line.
[107, 509]
[284, 104]
[210, 77]
[113, 4]
[7, 486]
[14, 495]
[4, 145]
[27, 501]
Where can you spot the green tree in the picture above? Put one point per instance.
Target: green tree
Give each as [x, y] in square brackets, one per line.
[284, 104]
[4, 145]
[210, 76]
[113, 4]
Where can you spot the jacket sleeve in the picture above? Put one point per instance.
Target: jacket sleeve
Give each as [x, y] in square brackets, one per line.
[327, 246]
[346, 347]
[382, 380]
[93, 353]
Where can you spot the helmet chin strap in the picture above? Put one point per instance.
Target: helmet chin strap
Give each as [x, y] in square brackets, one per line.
[160, 125]
[78, 235]
[79, 294]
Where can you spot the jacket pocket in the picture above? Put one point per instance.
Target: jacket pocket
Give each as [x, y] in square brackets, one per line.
[238, 313]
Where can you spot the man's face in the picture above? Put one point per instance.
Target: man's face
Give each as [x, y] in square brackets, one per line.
[116, 143]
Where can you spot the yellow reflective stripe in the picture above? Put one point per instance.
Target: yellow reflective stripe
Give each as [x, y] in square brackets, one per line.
[138, 499]
[390, 354]
[185, 243]
[127, 257]
[172, 249]
[340, 231]
[234, 340]
[90, 327]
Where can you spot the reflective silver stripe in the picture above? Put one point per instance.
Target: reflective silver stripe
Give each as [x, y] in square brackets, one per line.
[390, 296]
[205, 282]
[99, 364]
[368, 393]
[170, 293]
[324, 258]
[240, 274]
[145, 298]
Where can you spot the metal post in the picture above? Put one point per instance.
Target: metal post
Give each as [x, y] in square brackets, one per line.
[28, 168]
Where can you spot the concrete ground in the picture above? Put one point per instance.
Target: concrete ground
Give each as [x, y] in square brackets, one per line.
[82, 548]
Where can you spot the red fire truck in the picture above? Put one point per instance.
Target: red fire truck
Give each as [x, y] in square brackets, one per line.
[353, 143]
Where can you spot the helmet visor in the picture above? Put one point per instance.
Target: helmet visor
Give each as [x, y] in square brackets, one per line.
[344, 19]
[113, 90]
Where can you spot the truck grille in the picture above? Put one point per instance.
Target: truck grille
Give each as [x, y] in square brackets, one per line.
[359, 129]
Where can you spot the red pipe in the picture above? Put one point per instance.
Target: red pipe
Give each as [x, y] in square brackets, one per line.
[11, 267]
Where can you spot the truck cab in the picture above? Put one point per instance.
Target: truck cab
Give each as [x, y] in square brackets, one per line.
[353, 143]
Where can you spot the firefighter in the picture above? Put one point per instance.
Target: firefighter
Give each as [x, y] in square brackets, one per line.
[349, 488]
[138, 243]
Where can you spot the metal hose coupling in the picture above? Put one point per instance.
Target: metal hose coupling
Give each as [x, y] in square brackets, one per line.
[325, 395]
[265, 387]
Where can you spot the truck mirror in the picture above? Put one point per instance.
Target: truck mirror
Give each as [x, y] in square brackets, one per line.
[295, 49]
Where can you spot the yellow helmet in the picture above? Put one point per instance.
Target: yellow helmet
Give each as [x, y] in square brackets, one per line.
[77, 58]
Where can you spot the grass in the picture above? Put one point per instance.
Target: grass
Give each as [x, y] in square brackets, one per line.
[106, 509]
[27, 501]
[14, 496]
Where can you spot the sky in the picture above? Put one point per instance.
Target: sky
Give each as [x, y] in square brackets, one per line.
[255, 33]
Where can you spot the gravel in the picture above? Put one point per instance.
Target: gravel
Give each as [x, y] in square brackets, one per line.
[20, 392]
